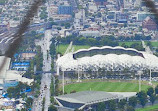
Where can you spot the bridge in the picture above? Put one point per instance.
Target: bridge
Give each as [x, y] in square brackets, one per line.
[44, 72]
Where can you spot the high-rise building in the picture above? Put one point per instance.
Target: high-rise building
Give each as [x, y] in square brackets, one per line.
[62, 9]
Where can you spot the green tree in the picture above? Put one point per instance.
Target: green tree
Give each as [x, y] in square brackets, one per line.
[67, 25]
[92, 41]
[150, 91]
[52, 108]
[101, 106]
[130, 108]
[142, 97]
[122, 104]
[133, 101]
[124, 45]
[156, 89]
[59, 28]
[29, 102]
[112, 105]
[82, 40]
[152, 98]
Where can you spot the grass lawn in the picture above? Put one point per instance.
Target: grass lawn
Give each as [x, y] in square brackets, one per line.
[105, 86]
[149, 108]
[154, 44]
[62, 48]
[129, 43]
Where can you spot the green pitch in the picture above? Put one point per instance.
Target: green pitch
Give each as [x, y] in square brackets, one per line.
[105, 86]
[129, 43]
[62, 48]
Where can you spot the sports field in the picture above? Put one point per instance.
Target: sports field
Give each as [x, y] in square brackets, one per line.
[129, 43]
[105, 86]
[154, 44]
[149, 108]
[62, 48]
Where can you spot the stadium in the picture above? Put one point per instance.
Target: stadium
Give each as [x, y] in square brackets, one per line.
[109, 59]
[101, 72]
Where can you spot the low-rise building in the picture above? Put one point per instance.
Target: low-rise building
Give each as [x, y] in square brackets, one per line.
[90, 33]
[149, 24]
[89, 99]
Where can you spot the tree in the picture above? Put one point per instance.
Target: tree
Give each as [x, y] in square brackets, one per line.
[124, 45]
[112, 105]
[82, 40]
[130, 108]
[92, 41]
[52, 108]
[156, 89]
[58, 28]
[133, 101]
[101, 106]
[33, 33]
[67, 25]
[29, 102]
[152, 98]
[150, 91]
[73, 91]
[142, 97]
[99, 14]
[122, 104]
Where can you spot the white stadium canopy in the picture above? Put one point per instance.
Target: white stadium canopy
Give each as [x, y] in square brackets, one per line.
[110, 61]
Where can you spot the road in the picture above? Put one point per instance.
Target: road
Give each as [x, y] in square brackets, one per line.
[147, 48]
[46, 77]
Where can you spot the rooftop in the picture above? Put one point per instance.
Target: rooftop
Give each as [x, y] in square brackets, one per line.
[88, 97]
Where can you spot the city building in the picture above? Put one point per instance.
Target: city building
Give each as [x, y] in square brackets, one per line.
[142, 15]
[100, 2]
[27, 55]
[121, 17]
[90, 33]
[62, 18]
[10, 78]
[20, 66]
[111, 16]
[62, 9]
[149, 24]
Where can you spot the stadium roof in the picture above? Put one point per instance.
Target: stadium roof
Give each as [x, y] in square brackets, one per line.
[84, 98]
[110, 61]
[87, 97]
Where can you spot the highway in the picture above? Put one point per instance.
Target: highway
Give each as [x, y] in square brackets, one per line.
[46, 78]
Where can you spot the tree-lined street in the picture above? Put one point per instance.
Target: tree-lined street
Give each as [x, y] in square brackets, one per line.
[46, 77]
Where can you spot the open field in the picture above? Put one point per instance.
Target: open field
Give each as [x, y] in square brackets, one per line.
[105, 86]
[62, 48]
[149, 108]
[153, 43]
[129, 43]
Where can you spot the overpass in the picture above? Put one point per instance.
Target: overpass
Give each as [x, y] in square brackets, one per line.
[44, 72]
